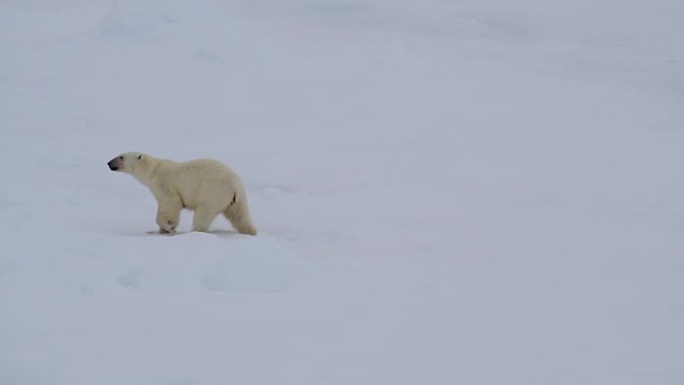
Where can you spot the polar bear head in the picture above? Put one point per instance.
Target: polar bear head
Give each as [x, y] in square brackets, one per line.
[127, 162]
[141, 166]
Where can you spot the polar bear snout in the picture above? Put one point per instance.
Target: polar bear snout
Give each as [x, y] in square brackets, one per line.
[115, 164]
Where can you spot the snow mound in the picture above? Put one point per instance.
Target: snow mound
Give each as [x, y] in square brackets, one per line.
[208, 262]
[214, 262]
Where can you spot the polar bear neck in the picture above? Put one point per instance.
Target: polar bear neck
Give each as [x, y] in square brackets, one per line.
[146, 170]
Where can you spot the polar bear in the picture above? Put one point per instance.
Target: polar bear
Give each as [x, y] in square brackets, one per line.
[205, 186]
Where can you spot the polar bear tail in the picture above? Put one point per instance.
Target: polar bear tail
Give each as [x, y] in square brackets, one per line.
[238, 215]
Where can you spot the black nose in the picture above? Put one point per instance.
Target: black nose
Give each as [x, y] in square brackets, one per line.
[113, 168]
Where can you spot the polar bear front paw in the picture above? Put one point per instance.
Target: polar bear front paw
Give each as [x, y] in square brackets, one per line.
[167, 227]
[164, 231]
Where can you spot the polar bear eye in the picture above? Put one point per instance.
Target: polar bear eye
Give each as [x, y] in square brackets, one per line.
[121, 157]
[139, 157]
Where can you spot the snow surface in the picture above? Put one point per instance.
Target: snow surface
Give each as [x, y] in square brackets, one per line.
[447, 192]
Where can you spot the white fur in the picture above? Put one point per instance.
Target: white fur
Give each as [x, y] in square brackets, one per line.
[205, 186]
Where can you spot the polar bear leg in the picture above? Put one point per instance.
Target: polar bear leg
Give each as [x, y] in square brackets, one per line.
[203, 218]
[237, 214]
[168, 217]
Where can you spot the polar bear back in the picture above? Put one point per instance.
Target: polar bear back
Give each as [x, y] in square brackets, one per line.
[197, 181]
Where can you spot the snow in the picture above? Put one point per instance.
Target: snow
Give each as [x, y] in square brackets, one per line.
[478, 192]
